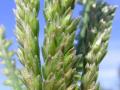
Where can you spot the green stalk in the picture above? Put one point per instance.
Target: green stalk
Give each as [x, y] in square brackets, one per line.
[27, 31]
[58, 50]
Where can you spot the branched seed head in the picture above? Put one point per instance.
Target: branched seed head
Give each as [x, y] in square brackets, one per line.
[58, 50]
[10, 68]
[27, 30]
[94, 40]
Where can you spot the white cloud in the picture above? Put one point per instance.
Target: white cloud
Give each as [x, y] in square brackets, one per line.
[108, 78]
[112, 60]
[108, 74]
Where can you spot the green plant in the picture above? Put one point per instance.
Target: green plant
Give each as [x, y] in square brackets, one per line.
[10, 68]
[94, 38]
[27, 31]
[58, 50]
[65, 66]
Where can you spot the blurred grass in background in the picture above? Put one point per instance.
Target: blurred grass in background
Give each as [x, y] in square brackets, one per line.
[108, 76]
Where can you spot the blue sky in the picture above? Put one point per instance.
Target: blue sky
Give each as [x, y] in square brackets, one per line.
[108, 76]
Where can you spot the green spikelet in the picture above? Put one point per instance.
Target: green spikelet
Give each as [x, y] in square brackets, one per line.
[27, 30]
[58, 50]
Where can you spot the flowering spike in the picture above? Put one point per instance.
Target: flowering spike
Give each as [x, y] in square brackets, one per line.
[10, 70]
[58, 50]
[94, 38]
[27, 30]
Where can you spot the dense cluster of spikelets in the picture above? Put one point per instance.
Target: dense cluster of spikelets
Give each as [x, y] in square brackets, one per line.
[93, 42]
[65, 67]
